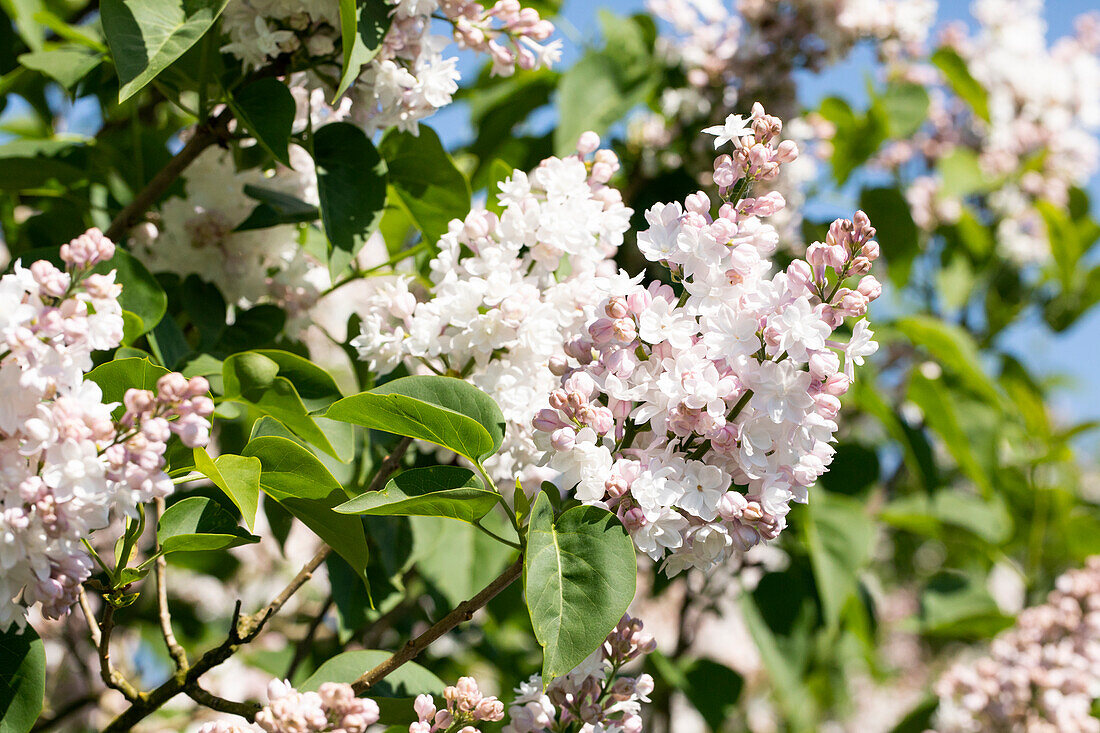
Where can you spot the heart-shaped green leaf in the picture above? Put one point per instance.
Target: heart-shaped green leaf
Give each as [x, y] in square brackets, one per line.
[579, 575]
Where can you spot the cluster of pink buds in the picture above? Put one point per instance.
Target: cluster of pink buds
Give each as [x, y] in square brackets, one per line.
[592, 697]
[848, 250]
[135, 460]
[466, 705]
[89, 249]
[482, 30]
[758, 152]
[334, 708]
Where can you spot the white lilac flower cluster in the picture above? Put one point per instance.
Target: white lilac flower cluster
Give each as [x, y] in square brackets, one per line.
[594, 696]
[507, 292]
[197, 234]
[1041, 676]
[670, 400]
[409, 78]
[1042, 124]
[65, 466]
[465, 706]
[333, 708]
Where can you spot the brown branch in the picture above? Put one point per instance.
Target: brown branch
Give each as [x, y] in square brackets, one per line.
[175, 649]
[246, 710]
[111, 676]
[203, 137]
[242, 630]
[463, 612]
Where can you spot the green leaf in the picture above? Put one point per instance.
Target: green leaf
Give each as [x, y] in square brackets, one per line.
[276, 208]
[791, 693]
[426, 180]
[293, 476]
[713, 689]
[839, 535]
[952, 605]
[115, 377]
[263, 380]
[141, 294]
[892, 217]
[266, 109]
[435, 491]
[457, 558]
[22, 679]
[146, 36]
[960, 80]
[66, 64]
[905, 107]
[857, 138]
[363, 25]
[961, 175]
[920, 718]
[936, 403]
[442, 410]
[199, 524]
[351, 185]
[579, 576]
[237, 476]
[954, 349]
[409, 680]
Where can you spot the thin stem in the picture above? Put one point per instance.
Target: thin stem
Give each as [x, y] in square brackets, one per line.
[463, 612]
[497, 537]
[89, 616]
[175, 649]
[301, 649]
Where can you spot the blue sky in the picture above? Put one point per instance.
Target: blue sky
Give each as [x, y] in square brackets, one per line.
[1072, 354]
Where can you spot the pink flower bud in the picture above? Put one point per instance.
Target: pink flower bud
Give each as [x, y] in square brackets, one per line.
[836, 385]
[547, 420]
[870, 250]
[588, 143]
[617, 308]
[731, 505]
[870, 287]
[698, 203]
[563, 439]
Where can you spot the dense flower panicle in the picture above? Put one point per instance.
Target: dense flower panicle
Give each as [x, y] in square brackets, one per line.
[507, 291]
[1041, 676]
[669, 401]
[409, 78]
[1040, 136]
[65, 465]
[465, 707]
[594, 696]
